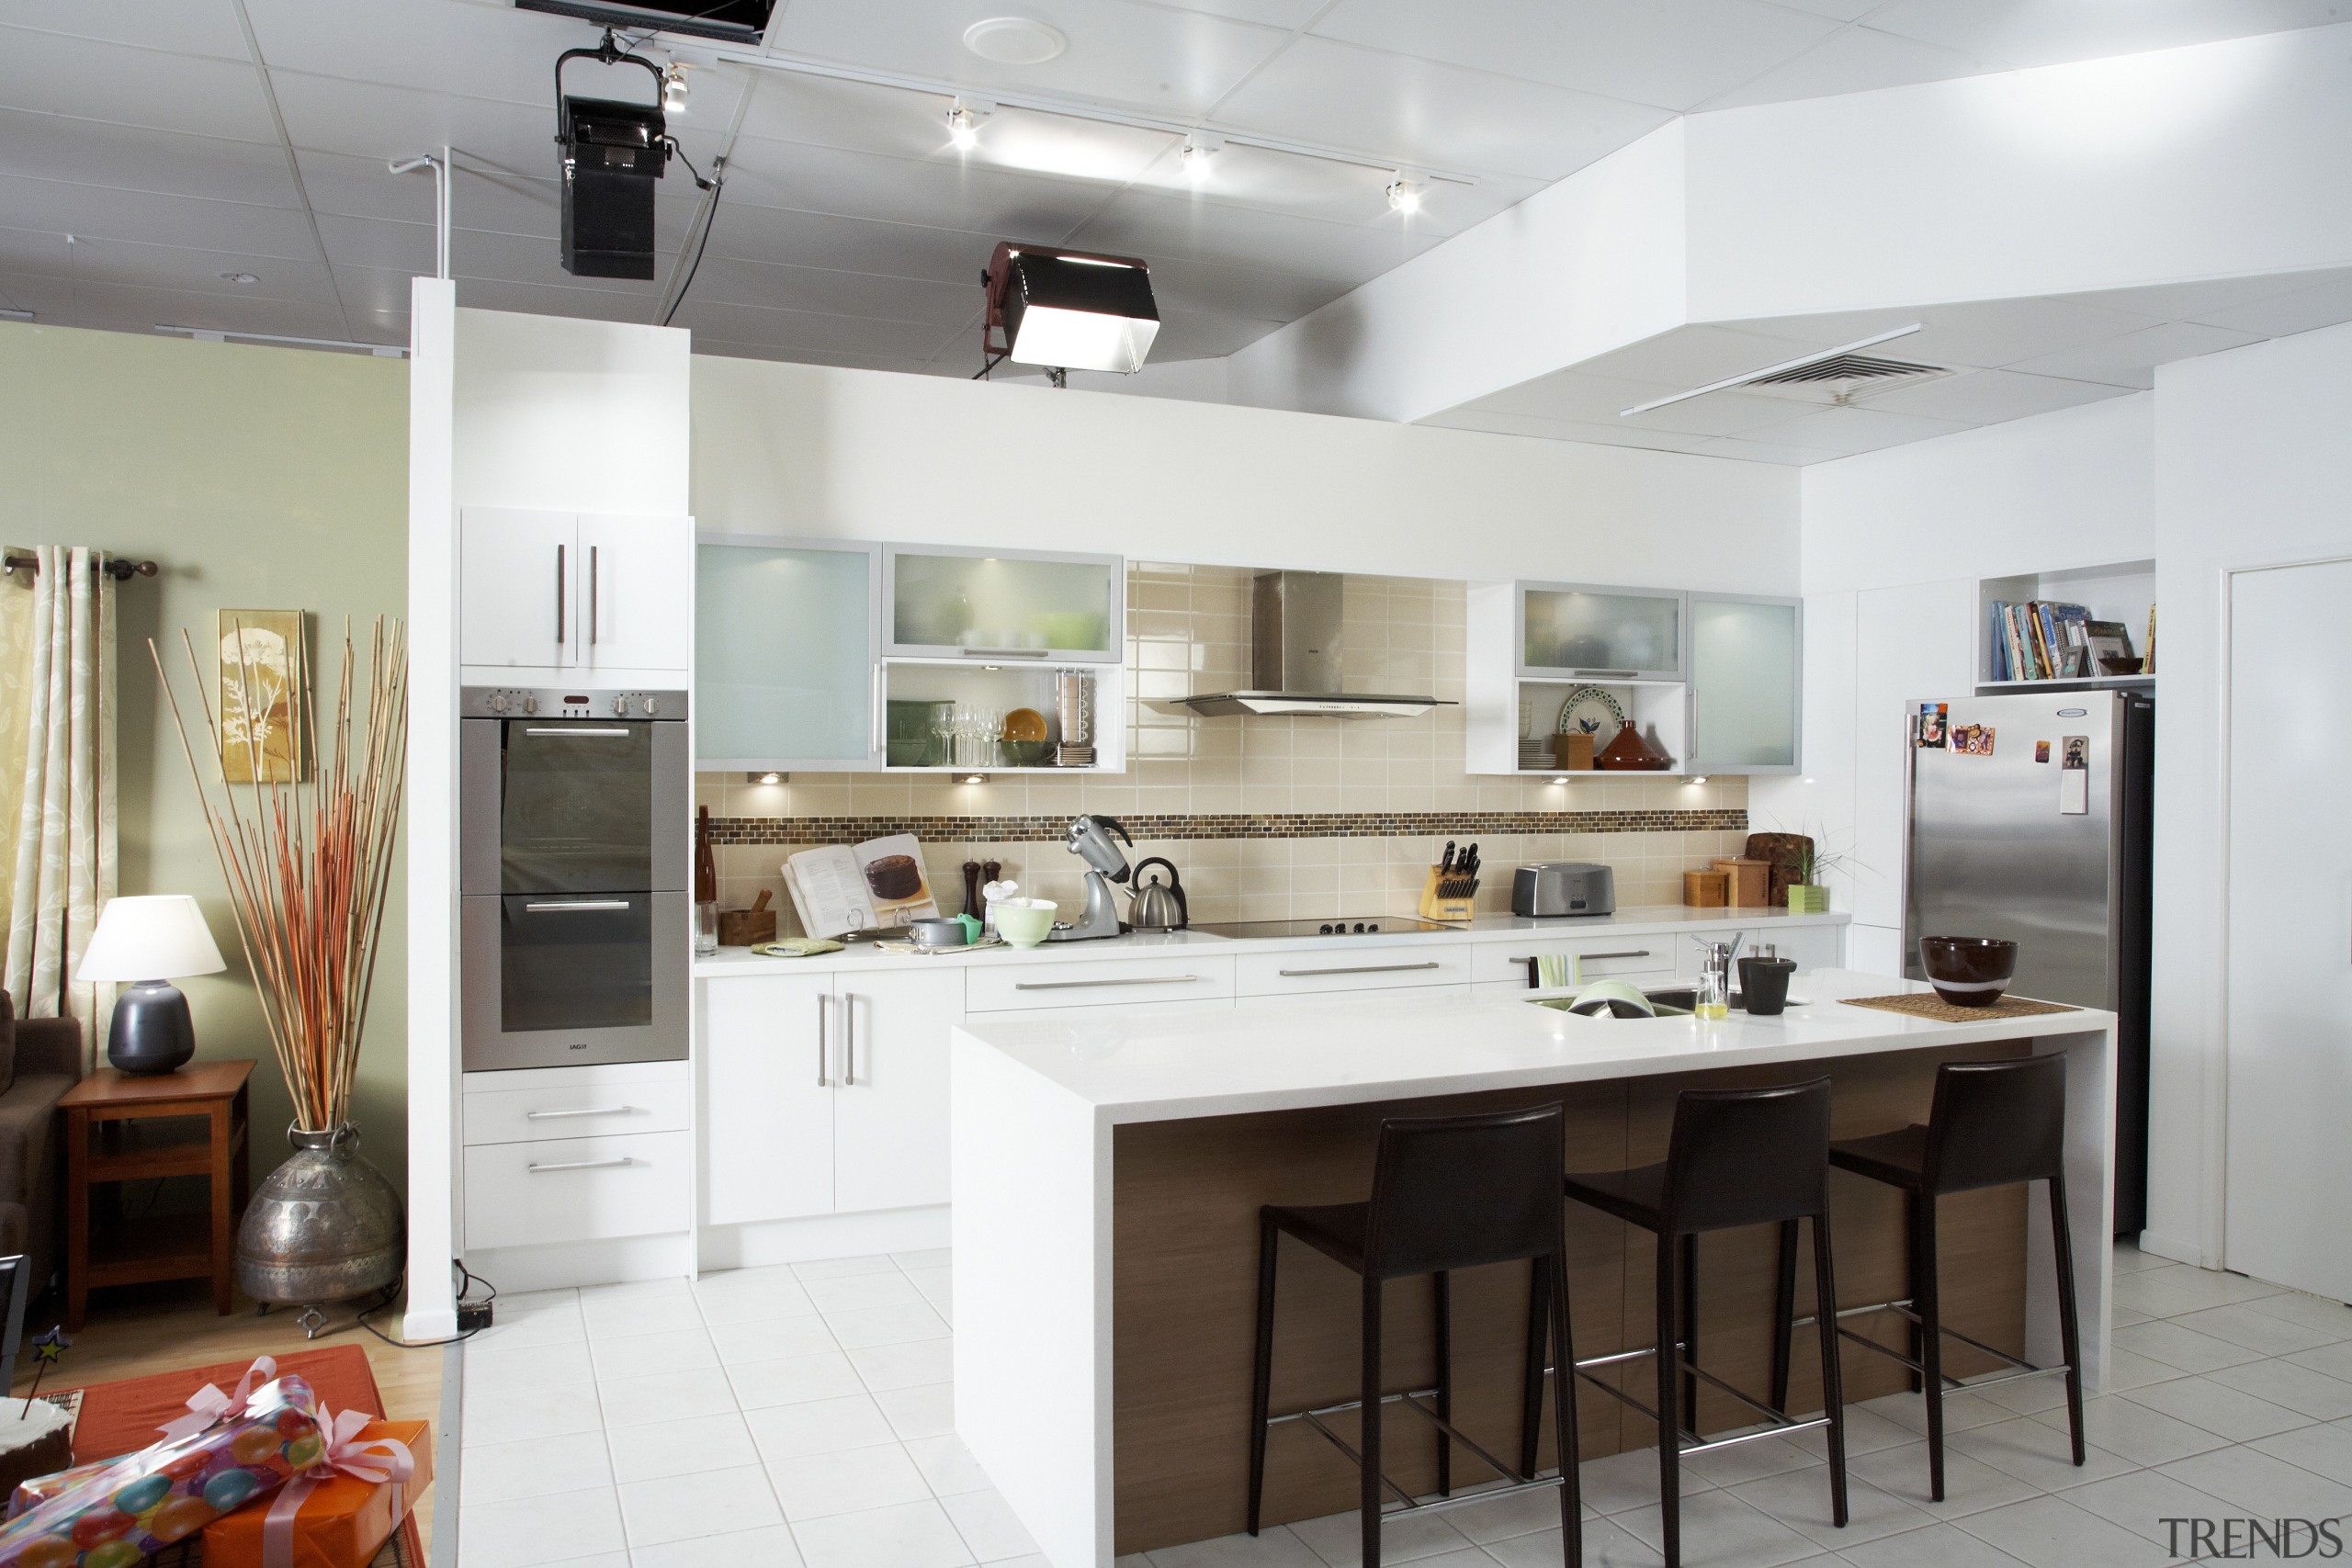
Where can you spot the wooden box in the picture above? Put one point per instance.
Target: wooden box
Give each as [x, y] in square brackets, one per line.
[1573, 752]
[1705, 889]
[747, 927]
[1750, 884]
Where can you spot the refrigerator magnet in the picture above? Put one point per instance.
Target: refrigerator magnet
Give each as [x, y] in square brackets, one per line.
[1930, 729]
[2074, 777]
[1972, 739]
[2042, 751]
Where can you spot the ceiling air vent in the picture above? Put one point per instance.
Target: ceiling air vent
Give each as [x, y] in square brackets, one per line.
[1854, 367]
[1829, 378]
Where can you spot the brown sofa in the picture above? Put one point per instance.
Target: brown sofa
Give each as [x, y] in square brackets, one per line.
[40, 1058]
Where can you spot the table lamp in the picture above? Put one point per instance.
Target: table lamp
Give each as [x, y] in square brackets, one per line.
[148, 939]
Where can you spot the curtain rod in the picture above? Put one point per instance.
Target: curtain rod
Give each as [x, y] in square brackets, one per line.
[121, 571]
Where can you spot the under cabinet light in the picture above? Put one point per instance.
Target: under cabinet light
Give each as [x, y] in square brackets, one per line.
[1559, 778]
[767, 778]
[972, 778]
[1697, 778]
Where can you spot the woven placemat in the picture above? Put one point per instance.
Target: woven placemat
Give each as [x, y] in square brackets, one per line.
[1926, 1004]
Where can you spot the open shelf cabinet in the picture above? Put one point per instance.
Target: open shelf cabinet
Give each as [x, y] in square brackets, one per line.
[2124, 592]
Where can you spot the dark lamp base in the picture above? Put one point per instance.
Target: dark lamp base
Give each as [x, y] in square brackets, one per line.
[150, 1032]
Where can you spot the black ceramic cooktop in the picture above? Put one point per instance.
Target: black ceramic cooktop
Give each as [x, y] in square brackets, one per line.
[1368, 925]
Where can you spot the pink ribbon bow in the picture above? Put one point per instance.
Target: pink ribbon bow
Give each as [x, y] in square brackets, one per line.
[377, 1461]
[207, 1406]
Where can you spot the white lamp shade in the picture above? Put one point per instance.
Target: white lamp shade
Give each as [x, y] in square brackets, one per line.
[150, 936]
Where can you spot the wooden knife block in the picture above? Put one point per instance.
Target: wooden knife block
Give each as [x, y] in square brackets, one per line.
[1436, 907]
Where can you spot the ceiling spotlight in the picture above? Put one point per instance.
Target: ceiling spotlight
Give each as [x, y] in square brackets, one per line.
[1199, 148]
[239, 278]
[963, 127]
[1403, 196]
[1015, 40]
[1067, 310]
[674, 89]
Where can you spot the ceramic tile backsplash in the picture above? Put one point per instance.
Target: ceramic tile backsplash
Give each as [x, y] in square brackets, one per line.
[1188, 630]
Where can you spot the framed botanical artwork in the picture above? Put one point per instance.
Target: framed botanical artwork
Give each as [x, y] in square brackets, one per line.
[262, 675]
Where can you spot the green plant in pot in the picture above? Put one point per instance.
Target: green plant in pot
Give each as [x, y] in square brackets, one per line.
[1807, 895]
[307, 861]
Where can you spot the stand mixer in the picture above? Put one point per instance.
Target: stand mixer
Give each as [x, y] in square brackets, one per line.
[1089, 839]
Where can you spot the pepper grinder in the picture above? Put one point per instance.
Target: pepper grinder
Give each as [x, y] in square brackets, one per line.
[971, 887]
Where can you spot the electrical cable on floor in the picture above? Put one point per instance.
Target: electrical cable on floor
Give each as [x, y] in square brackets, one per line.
[717, 185]
[467, 1280]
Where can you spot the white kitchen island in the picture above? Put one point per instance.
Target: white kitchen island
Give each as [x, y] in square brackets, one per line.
[1106, 1170]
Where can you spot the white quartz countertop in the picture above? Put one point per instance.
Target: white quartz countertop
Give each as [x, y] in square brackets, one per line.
[1147, 1065]
[1632, 920]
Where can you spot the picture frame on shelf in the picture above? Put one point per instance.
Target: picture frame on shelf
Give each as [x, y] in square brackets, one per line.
[2077, 665]
[2108, 639]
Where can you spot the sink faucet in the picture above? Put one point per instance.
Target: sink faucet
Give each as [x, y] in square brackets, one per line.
[1715, 959]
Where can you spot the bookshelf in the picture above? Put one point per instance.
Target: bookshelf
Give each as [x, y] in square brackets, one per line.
[2120, 591]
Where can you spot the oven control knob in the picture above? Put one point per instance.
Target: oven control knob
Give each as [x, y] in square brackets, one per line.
[648, 707]
[498, 702]
[620, 706]
[530, 705]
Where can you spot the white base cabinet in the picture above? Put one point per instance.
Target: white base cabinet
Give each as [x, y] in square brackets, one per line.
[557, 1155]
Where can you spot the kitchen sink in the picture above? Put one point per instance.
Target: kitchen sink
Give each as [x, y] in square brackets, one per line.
[1670, 1001]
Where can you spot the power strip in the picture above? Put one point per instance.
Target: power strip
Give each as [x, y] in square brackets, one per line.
[473, 1316]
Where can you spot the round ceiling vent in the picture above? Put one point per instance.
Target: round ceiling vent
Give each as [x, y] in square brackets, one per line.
[1015, 40]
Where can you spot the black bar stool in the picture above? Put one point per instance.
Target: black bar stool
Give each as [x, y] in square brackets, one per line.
[1447, 1193]
[1992, 1124]
[1737, 1156]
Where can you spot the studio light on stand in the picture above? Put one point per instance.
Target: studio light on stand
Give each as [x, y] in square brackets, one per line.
[1066, 311]
[149, 941]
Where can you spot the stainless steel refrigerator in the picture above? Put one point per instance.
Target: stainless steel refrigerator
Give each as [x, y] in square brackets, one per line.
[2028, 817]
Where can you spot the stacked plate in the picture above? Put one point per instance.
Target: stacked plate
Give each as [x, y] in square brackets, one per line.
[1536, 752]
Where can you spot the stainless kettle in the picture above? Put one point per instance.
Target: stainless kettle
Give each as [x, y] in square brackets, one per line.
[1159, 906]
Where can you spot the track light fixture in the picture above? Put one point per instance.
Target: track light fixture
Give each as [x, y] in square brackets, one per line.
[963, 127]
[1403, 196]
[1199, 149]
[675, 88]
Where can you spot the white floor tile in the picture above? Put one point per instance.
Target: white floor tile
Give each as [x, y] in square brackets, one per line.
[2256, 1483]
[1867, 1430]
[937, 1287]
[2219, 1408]
[665, 1396]
[621, 1318]
[1501, 1518]
[2168, 1341]
[2135, 1432]
[2049, 1532]
[2244, 1322]
[1969, 1485]
[988, 1527]
[1719, 1531]
[637, 1289]
[1605, 1546]
[843, 1268]
[793, 1379]
[676, 1350]
[2331, 1318]
[660, 1449]
[1275, 1547]
[541, 1317]
[2297, 1388]
[1800, 1499]
[1338, 1539]
[754, 1304]
[916, 1362]
[2172, 1291]
[857, 1292]
[1937, 1546]
[911, 1535]
[771, 1340]
[860, 1328]
[2037, 1453]
[2324, 1450]
[702, 1503]
[1961, 1411]
[2126, 1371]
[558, 1527]
[926, 1412]
[514, 1415]
[947, 1465]
[501, 1472]
[1729, 1467]
[2331, 1361]
[847, 1481]
[771, 1547]
[2143, 1500]
[930, 1257]
[1630, 1480]
[2129, 1259]
[495, 1370]
[795, 1432]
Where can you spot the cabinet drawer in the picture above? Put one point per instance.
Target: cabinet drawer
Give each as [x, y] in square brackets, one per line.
[1370, 967]
[578, 1188]
[1096, 983]
[576, 1110]
[1598, 957]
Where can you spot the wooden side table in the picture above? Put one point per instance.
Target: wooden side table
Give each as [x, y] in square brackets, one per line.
[163, 1247]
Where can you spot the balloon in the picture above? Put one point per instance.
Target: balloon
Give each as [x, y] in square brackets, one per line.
[114, 1554]
[180, 1516]
[50, 1551]
[253, 1445]
[186, 1465]
[290, 1422]
[101, 1523]
[304, 1451]
[142, 1494]
[231, 1487]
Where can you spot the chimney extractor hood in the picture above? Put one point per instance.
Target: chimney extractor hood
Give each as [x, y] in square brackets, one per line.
[1295, 660]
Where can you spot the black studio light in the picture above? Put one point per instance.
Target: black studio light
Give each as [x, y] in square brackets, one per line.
[1066, 310]
[731, 21]
[614, 154]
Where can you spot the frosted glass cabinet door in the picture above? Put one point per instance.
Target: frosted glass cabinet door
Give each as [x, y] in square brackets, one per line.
[1625, 634]
[784, 655]
[945, 604]
[1745, 672]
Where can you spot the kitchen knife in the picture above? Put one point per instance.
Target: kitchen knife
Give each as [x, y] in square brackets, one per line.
[1446, 864]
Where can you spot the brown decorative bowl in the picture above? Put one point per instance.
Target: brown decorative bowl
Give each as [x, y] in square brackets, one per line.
[2115, 664]
[1968, 971]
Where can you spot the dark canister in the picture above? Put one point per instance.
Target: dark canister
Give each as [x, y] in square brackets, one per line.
[1764, 985]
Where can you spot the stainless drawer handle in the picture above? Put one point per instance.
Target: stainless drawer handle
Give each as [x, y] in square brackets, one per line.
[592, 1111]
[581, 1164]
[579, 730]
[1088, 985]
[566, 905]
[1636, 953]
[1608, 674]
[1005, 652]
[1360, 969]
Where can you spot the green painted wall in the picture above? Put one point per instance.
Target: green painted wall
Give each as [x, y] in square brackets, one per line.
[257, 479]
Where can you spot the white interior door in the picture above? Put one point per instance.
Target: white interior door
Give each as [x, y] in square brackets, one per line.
[890, 1110]
[518, 601]
[2289, 1006]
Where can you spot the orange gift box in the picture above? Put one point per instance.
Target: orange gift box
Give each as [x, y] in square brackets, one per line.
[339, 1524]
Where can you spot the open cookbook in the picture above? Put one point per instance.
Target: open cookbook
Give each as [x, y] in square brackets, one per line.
[866, 886]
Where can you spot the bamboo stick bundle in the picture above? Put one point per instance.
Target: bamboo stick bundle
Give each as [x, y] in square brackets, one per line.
[309, 861]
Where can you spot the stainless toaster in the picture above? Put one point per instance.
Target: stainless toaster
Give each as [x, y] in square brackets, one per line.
[1563, 888]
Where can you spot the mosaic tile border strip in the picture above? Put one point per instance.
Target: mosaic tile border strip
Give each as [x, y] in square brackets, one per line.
[1165, 826]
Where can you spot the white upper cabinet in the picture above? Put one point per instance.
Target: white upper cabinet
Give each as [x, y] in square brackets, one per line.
[787, 650]
[1745, 678]
[560, 595]
[1574, 632]
[945, 601]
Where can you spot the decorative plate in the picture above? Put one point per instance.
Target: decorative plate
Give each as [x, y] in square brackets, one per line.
[1591, 711]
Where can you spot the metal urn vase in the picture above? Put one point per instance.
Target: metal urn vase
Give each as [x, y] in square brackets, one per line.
[324, 1226]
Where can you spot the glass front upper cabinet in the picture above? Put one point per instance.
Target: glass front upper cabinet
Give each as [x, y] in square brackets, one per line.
[946, 603]
[1568, 631]
[1747, 672]
[786, 654]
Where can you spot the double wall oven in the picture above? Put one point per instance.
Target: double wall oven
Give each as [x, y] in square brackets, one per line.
[573, 877]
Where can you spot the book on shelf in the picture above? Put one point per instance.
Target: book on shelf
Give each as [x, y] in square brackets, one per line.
[844, 888]
[2031, 641]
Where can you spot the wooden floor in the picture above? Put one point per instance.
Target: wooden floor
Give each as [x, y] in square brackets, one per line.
[134, 1331]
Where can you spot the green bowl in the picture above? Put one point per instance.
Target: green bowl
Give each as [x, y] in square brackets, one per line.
[1027, 753]
[1025, 925]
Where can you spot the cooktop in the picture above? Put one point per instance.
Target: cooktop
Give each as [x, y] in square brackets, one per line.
[1369, 926]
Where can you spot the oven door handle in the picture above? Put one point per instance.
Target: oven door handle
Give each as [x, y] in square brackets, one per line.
[574, 730]
[567, 905]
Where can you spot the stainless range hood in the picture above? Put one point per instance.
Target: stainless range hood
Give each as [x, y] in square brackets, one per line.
[1296, 659]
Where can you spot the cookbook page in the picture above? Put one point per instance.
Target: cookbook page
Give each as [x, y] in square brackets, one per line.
[893, 880]
[828, 888]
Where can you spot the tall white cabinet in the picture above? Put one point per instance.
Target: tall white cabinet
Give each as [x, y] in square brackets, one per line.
[570, 595]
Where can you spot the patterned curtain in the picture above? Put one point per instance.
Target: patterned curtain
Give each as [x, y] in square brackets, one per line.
[57, 759]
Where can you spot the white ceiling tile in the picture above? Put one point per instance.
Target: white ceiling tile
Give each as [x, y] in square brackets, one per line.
[1422, 112]
[1726, 412]
[1852, 59]
[156, 218]
[834, 293]
[381, 242]
[1977, 335]
[1751, 451]
[1988, 397]
[1201, 335]
[828, 113]
[1168, 60]
[51, 73]
[938, 193]
[1184, 284]
[1149, 224]
[484, 50]
[2191, 300]
[2131, 360]
[1577, 394]
[1851, 430]
[375, 297]
[1285, 14]
[181, 26]
[31, 252]
[128, 308]
[128, 158]
[2046, 32]
[368, 120]
[1670, 53]
[1317, 188]
[1690, 356]
[2305, 311]
[851, 244]
[1835, 10]
[480, 199]
[813, 330]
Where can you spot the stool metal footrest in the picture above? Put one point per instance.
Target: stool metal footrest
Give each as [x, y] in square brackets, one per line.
[1406, 1502]
[1776, 1423]
[1902, 1307]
